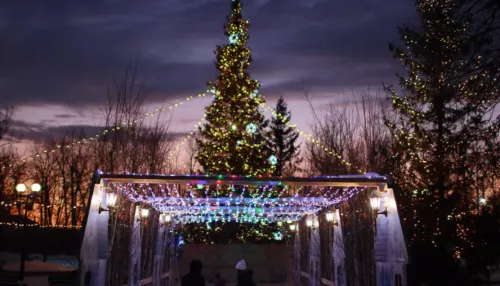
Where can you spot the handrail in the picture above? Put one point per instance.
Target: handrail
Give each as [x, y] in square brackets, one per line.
[149, 280]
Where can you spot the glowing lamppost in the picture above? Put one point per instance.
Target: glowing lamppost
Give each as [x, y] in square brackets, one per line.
[26, 199]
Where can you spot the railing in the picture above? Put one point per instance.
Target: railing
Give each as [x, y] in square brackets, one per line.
[149, 280]
[324, 281]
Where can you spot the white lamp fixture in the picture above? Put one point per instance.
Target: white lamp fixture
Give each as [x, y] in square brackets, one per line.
[165, 218]
[36, 187]
[309, 222]
[20, 188]
[375, 204]
[293, 227]
[110, 202]
[331, 217]
[168, 218]
[144, 213]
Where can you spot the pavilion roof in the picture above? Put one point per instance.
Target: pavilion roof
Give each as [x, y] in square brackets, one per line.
[366, 180]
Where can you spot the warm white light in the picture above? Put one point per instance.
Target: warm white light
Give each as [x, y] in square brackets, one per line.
[309, 222]
[111, 200]
[316, 223]
[36, 187]
[329, 216]
[375, 203]
[144, 213]
[280, 223]
[20, 188]
[168, 218]
[292, 227]
[482, 201]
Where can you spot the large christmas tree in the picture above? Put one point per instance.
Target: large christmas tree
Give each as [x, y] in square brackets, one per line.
[232, 140]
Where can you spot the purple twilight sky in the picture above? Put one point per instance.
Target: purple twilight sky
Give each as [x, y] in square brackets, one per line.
[56, 57]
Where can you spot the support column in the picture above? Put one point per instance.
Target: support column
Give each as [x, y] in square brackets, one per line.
[95, 245]
[296, 260]
[173, 272]
[135, 250]
[314, 255]
[338, 252]
[159, 253]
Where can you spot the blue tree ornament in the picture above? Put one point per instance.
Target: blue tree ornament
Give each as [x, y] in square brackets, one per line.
[273, 160]
[233, 38]
[251, 128]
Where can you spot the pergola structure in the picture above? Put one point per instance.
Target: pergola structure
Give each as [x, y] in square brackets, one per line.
[129, 236]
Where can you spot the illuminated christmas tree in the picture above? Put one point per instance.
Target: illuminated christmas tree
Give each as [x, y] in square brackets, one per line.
[442, 117]
[232, 140]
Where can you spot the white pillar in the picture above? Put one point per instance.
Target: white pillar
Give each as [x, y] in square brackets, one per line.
[159, 254]
[296, 261]
[95, 246]
[134, 274]
[338, 253]
[314, 255]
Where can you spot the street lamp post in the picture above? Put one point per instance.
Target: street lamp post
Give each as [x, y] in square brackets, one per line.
[26, 200]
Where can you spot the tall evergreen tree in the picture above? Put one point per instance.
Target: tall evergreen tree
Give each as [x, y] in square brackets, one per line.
[442, 119]
[282, 141]
[232, 140]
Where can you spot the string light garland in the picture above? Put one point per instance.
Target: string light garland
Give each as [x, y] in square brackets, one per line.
[177, 148]
[101, 134]
[33, 225]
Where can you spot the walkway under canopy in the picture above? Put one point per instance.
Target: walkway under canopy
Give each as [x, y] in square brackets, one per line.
[132, 227]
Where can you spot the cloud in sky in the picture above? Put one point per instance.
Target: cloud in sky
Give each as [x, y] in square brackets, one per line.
[63, 53]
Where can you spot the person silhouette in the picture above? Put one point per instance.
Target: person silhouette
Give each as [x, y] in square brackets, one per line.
[241, 266]
[194, 277]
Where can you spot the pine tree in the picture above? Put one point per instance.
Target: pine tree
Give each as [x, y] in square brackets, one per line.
[282, 141]
[442, 116]
[232, 140]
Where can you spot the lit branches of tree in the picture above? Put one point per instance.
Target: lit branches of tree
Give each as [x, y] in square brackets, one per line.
[282, 141]
[356, 131]
[444, 115]
[143, 145]
[232, 139]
